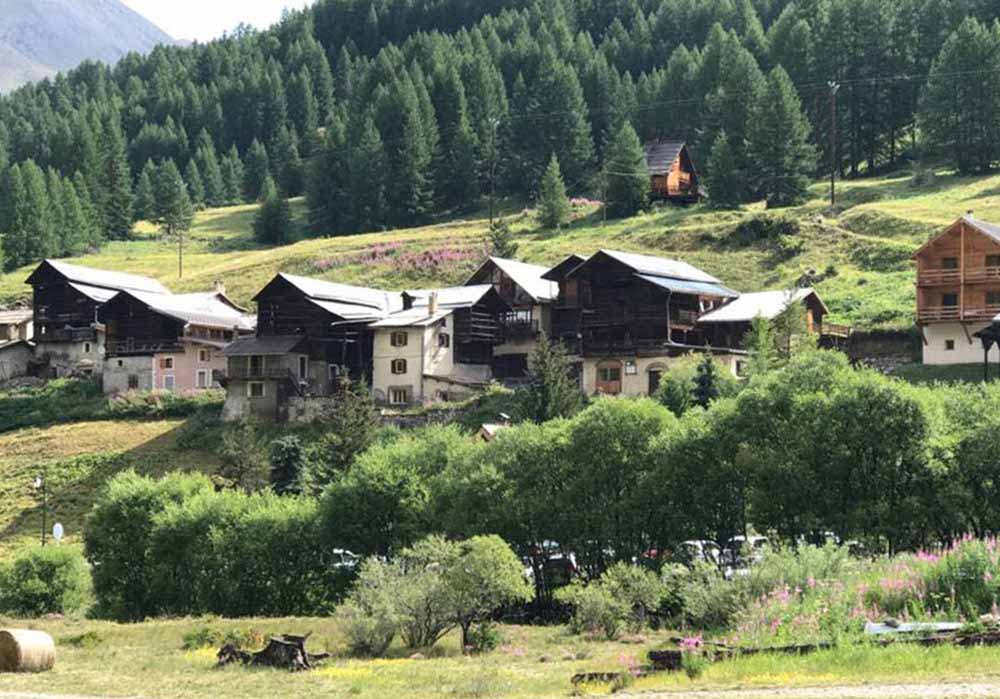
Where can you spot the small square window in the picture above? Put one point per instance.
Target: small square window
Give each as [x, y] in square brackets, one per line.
[949, 345]
[255, 390]
[204, 355]
[444, 340]
[949, 263]
[631, 369]
[398, 366]
[993, 260]
[993, 298]
[949, 300]
[400, 339]
[120, 364]
[167, 363]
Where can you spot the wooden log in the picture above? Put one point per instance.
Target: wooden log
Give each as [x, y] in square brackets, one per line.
[26, 651]
[286, 652]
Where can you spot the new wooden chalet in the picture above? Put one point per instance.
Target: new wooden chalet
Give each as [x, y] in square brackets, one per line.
[958, 291]
[530, 297]
[309, 334]
[68, 335]
[440, 346]
[170, 342]
[673, 175]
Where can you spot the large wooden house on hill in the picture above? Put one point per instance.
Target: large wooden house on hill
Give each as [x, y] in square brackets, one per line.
[170, 342]
[69, 336]
[958, 291]
[672, 173]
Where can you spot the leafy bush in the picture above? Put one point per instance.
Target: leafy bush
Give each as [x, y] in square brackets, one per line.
[45, 580]
[764, 229]
[163, 404]
[484, 637]
[639, 589]
[62, 400]
[710, 601]
[678, 383]
[595, 610]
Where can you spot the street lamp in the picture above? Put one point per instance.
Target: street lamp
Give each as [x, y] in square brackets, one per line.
[39, 485]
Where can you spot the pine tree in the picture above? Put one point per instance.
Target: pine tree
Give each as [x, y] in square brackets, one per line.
[627, 174]
[760, 343]
[173, 212]
[778, 145]
[327, 183]
[457, 176]
[553, 205]
[500, 241]
[408, 155]
[273, 222]
[145, 194]
[77, 228]
[115, 181]
[303, 110]
[706, 382]
[32, 237]
[91, 216]
[12, 196]
[724, 179]
[257, 170]
[366, 168]
[195, 185]
[232, 176]
[211, 172]
[553, 392]
[287, 164]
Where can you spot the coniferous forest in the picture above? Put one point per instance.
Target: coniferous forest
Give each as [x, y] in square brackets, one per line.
[385, 113]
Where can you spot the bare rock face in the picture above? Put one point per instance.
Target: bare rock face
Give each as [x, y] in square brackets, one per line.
[39, 38]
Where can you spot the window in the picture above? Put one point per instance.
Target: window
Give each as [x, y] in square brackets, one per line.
[631, 369]
[741, 368]
[949, 345]
[993, 298]
[334, 372]
[609, 374]
[949, 299]
[167, 363]
[398, 366]
[256, 365]
[399, 396]
[120, 364]
[86, 348]
[204, 355]
[168, 383]
[949, 263]
[444, 340]
[400, 339]
[993, 260]
[255, 390]
[303, 368]
[202, 378]
[133, 382]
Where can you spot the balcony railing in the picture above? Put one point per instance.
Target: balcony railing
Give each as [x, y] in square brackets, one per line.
[834, 330]
[950, 277]
[263, 373]
[67, 335]
[518, 325]
[132, 348]
[935, 314]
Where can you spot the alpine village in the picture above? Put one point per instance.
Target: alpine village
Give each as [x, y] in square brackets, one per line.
[500, 348]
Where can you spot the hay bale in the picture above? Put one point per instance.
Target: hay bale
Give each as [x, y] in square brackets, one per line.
[26, 651]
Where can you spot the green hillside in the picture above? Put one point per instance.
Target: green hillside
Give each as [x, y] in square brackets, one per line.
[857, 254]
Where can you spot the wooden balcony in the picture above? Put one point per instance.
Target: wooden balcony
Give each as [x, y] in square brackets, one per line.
[137, 348]
[939, 314]
[951, 277]
[262, 373]
[834, 330]
[67, 335]
[518, 325]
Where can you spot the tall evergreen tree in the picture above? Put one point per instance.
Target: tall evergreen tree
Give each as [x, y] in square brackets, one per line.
[93, 231]
[408, 157]
[552, 392]
[115, 181]
[211, 172]
[287, 164]
[32, 236]
[706, 382]
[778, 146]
[233, 176]
[77, 233]
[367, 168]
[195, 185]
[628, 179]
[303, 110]
[327, 182]
[257, 170]
[145, 194]
[553, 206]
[273, 222]
[173, 212]
[724, 178]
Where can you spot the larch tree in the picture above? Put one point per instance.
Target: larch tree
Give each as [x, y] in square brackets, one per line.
[553, 205]
[724, 178]
[115, 181]
[257, 170]
[778, 147]
[627, 174]
[273, 222]
[145, 194]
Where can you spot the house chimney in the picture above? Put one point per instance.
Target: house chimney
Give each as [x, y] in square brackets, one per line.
[220, 287]
[432, 304]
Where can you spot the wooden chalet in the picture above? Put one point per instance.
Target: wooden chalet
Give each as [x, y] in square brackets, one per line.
[673, 175]
[169, 342]
[958, 290]
[530, 297]
[309, 334]
[66, 299]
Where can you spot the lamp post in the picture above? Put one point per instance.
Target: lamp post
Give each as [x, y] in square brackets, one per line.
[40, 486]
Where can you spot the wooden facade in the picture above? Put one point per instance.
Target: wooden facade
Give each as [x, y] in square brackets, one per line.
[134, 329]
[672, 172]
[62, 313]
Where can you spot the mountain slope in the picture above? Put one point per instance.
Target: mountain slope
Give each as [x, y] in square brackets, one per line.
[38, 38]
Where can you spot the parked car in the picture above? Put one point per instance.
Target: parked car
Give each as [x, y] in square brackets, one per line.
[689, 552]
[345, 561]
[741, 553]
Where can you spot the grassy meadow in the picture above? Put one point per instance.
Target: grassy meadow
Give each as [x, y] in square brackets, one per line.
[857, 253]
[154, 660]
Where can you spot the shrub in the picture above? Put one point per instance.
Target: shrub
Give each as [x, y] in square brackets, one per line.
[710, 601]
[637, 588]
[595, 610]
[371, 614]
[484, 637]
[764, 229]
[45, 580]
[202, 637]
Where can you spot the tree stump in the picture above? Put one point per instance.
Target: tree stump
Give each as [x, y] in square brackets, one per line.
[284, 652]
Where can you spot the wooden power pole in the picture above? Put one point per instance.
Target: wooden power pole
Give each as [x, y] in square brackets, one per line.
[834, 160]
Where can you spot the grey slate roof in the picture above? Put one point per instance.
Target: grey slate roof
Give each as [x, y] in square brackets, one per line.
[660, 155]
[990, 229]
[529, 277]
[208, 309]
[265, 345]
[685, 286]
[343, 293]
[100, 278]
[764, 304]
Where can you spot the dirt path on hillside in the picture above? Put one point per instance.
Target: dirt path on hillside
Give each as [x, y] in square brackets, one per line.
[957, 690]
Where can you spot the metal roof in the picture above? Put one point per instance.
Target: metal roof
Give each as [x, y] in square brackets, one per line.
[990, 229]
[349, 311]
[414, 317]
[451, 297]
[95, 293]
[265, 345]
[660, 155]
[764, 304]
[660, 266]
[685, 286]
[15, 317]
[343, 293]
[107, 280]
[207, 309]
[528, 277]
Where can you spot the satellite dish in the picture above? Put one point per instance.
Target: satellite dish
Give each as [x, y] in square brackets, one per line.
[57, 531]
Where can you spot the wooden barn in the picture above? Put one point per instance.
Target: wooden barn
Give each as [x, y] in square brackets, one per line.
[672, 173]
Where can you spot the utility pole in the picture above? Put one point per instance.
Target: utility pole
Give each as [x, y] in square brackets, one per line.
[604, 196]
[494, 125]
[834, 160]
[41, 486]
[180, 254]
